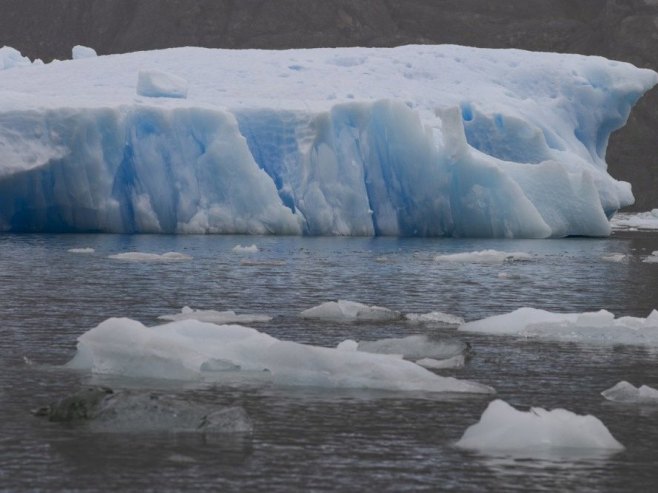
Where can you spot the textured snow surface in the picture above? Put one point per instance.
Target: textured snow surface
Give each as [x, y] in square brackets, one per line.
[590, 327]
[628, 393]
[414, 140]
[503, 428]
[193, 350]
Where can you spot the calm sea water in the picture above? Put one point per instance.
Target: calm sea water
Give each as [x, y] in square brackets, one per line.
[312, 439]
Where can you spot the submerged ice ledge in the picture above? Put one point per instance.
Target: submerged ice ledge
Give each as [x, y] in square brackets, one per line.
[419, 140]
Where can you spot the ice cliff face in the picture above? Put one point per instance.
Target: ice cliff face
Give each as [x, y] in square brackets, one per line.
[416, 140]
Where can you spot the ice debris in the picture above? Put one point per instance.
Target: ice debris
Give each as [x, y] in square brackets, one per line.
[503, 428]
[636, 221]
[81, 250]
[628, 393]
[151, 257]
[245, 249]
[483, 257]
[350, 311]
[199, 351]
[651, 259]
[215, 317]
[589, 327]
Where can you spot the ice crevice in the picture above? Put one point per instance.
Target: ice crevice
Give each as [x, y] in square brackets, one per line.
[518, 154]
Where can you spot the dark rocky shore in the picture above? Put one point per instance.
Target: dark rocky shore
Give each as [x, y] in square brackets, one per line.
[620, 29]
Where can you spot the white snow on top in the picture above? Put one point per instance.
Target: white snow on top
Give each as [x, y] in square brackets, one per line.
[483, 257]
[411, 141]
[10, 58]
[637, 221]
[215, 317]
[503, 428]
[349, 311]
[158, 84]
[79, 52]
[197, 351]
[589, 327]
[628, 393]
[151, 257]
[245, 249]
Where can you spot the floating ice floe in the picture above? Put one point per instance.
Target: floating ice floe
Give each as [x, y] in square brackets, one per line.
[151, 257]
[159, 84]
[245, 249]
[215, 317]
[483, 257]
[81, 250]
[652, 259]
[627, 392]
[414, 348]
[590, 327]
[79, 52]
[638, 221]
[419, 141]
[434, 317]
[620, 258]
[503, 428]
[198, 351]
[350, 311]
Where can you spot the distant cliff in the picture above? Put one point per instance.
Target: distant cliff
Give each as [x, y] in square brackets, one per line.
[619, 29]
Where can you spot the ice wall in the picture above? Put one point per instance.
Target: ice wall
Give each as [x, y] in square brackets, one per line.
[416, 140]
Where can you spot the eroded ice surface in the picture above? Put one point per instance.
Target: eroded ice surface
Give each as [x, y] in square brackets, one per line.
[414, 140]
[589, 327]
[627, 392]
[198, 351]
[503, 428]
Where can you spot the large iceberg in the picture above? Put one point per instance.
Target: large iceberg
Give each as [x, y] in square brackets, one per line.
[190, 350]
[414, 140]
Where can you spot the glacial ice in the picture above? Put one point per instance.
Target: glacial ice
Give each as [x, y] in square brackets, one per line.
[10, 58]
[190, 350]
[628, 393]
[635, 221]
[600, 328]
[215, 317]
[503, 428]
[483, 257]
[413, 140]
[150, 257]
[349, 311]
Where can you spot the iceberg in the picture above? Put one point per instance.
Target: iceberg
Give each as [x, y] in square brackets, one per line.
[600, 328]
[190, 350]
[536, 432]
[350, 311]
[627, 393]
[410, 141]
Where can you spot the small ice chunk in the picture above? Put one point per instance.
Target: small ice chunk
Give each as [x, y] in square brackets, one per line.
[348, 345]
[150, 257]
[633, 222]
[215, 317]
[652, 259]
[628, 393]
[158, 84]
[78, 52]
[616, 257]
[81, 250]
[442, 364]
[245, 249]
[538, 431]
[415, 347]
[435, 317]
[483, 257]
[350, 311]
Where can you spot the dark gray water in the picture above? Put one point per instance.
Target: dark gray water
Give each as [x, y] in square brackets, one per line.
[313, 439]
